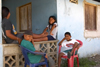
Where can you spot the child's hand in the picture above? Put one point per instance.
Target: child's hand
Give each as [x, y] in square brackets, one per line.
[32, 41]
[64, 38]
[51, 34]
[19, 40]
[46, 56]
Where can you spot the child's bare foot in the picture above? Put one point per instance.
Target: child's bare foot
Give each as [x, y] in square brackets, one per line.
[44, 34]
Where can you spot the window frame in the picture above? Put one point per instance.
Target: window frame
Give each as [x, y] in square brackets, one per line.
[86, 3]
[19, 18]
[93, 33]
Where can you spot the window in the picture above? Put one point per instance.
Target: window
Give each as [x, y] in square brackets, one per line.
[24, 17]
[74, 1]
[90, 17]
[92, 21]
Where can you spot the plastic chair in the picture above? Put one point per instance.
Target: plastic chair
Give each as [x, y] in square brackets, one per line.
[71, 60]
[27, 62]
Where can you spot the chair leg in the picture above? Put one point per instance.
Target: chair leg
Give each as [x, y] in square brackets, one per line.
[71, 62]
[25, 65]
[32, 65]
[68, 62]
[77, 61]
[47, 65]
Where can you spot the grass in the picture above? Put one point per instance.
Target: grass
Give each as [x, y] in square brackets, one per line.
[83, 62]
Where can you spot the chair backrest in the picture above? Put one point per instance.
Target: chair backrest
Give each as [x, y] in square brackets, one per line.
[76, 40]
[59, 49]
[25, 52]
[81, 43]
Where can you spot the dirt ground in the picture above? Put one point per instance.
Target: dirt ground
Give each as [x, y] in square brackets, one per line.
[96, 59]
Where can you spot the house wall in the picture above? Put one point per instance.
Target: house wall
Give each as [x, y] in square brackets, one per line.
[1, 48]
[1, 55]
[41, 10]
[71, 18]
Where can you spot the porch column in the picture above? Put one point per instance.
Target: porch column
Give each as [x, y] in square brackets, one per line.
[1, 47]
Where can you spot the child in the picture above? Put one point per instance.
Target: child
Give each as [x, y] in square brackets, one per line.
[52, 30]
[69, 44]
[8, 30]
[28, 43]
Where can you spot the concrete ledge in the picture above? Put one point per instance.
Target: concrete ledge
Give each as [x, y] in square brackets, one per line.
[12, 56]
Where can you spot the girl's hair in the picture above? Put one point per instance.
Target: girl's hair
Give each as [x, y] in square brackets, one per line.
[5, 12]
[54, 22]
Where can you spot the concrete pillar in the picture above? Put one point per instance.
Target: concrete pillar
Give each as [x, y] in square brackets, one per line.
[1, 47]
[0, 22]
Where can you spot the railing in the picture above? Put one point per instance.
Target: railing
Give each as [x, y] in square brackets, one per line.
[12, 56]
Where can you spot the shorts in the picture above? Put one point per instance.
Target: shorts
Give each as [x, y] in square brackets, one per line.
[19, 36]
[50, 61]
[50, 37]
[66, 51]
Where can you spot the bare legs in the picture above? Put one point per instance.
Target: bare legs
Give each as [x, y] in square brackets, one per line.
[59, 58]
[36, 36]
[76, 45]
[40, 37]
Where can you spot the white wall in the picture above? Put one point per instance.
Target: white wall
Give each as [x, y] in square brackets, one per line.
[1, 48]
[1, 56]
[71, 18]
[0, 23]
